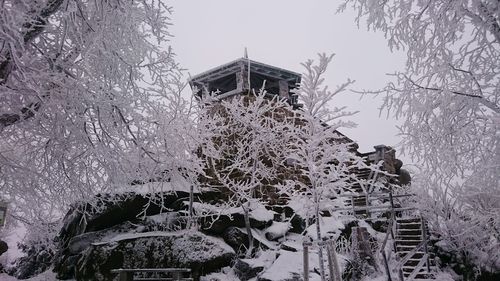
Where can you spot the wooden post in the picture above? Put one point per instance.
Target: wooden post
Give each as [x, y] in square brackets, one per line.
[283, 89]
[330, 261]
[243, 78]
[386, 265]
[306, 262]
[424, 237]
[335, 262]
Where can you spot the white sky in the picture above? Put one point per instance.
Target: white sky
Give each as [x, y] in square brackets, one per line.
[285, 33]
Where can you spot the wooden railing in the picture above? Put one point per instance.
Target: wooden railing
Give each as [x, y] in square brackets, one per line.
[372, 197]
[390, 231]
[333, 265]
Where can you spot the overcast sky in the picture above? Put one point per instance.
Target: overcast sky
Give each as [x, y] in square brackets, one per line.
[285, 33]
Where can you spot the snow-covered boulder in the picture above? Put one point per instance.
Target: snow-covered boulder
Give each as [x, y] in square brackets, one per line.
[191, 249]
[107, 210]
[277, 230]
[70, 251]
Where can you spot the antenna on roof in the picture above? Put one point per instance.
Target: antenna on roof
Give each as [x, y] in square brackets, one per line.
[245, 55]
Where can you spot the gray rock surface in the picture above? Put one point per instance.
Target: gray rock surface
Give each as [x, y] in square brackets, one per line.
[191, 249]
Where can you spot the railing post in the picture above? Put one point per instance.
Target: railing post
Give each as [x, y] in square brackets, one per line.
[330, 261]
[352, 205]
[336, 269]
[367, 202]
[386, 265]
[306, 262]
[424, 237]
[401, 276]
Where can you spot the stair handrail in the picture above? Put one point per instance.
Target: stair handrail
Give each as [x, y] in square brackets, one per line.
[419, 266]
[382, 248]
[390, 230]
[424, 239]
[406, 258]
[410, 254]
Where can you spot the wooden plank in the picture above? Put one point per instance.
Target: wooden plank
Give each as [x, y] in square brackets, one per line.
[336, 267]
[330, 262]
[306, 262]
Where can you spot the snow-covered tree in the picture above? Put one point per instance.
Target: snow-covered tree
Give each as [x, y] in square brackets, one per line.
[448, 98]
[89, 100]
[324, 156]
[246, 148]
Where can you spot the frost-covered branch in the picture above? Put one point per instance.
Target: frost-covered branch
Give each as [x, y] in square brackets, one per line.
[448, 98]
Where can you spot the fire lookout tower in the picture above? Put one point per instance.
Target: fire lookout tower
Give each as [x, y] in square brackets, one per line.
[244, 75]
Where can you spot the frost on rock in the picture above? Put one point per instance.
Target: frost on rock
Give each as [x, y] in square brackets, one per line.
[202, 253]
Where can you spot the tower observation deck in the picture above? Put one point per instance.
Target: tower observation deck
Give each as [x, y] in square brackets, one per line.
[244, 75]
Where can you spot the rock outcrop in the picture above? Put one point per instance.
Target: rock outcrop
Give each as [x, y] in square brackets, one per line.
[191, 249]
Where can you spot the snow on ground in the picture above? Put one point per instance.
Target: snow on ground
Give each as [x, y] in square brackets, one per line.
[290, 264]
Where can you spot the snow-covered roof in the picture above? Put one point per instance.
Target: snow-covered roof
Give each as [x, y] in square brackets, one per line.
[255, 67]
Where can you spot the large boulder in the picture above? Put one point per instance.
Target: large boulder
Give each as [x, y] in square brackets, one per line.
[246, 270]
[191, 249]
[107, 210]
[66, 257]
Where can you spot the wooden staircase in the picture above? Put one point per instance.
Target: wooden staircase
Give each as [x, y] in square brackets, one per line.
[411, 246]
[360, 201]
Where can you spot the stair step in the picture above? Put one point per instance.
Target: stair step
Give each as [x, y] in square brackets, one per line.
[409, 237]
[409, 220]
[411, 268]
[416, 255]
[415, 261]
[409, 232]
[408, 242]
[409, 226]
[420, 276]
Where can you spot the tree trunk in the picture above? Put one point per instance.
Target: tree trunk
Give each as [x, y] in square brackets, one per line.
[246, 215]
[318, 236]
